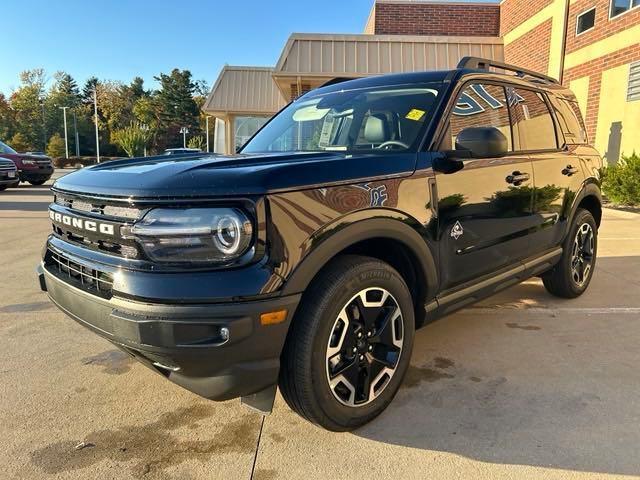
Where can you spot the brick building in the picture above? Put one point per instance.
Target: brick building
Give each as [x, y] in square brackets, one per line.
[593, 46]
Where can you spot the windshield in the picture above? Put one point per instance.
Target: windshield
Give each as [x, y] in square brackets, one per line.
[4, 148]
[366, 119]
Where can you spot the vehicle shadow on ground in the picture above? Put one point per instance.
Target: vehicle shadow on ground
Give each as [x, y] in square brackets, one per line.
[27, 190]
[24, 206]
[553, 389]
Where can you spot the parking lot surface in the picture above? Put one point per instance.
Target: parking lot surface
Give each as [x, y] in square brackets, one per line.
[522, 385]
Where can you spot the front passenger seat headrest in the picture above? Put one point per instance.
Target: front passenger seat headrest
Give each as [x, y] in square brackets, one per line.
[375, 129]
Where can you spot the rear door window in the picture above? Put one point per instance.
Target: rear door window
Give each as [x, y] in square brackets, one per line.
[532, 121]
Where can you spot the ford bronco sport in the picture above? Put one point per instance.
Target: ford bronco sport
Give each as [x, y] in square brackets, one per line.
[360, 212]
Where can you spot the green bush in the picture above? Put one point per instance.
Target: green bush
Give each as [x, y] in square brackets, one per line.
[621, 181]
[132, 139]
[197, 142]
[56, 147]
[78, 162]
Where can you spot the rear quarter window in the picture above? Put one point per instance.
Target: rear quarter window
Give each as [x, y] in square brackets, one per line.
[570, 120]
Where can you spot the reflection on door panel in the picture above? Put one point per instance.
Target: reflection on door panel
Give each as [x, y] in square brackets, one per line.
[483, 219]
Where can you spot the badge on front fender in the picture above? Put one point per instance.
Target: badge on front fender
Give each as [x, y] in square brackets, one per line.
[456, 231]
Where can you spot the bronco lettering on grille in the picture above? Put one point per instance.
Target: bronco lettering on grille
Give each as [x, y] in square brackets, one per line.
[82, 224]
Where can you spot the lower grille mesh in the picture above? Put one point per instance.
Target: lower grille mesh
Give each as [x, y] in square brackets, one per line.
[86, 278]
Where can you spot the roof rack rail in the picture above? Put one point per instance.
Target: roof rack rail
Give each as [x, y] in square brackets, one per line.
[335, 80]
[477, 63]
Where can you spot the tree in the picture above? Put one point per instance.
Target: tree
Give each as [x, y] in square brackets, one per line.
[26, 103]
[7, 121]
[176, 107]
[56, 147]
[64, 92]
[20, 144]
[132, 139]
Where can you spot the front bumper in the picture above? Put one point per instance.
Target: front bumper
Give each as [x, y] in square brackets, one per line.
[36, 173]
[9, 181]
[186, 343]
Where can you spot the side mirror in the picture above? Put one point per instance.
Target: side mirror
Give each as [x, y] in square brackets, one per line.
[481, 142]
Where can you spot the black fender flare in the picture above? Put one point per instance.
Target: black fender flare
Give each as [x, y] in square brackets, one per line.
[339, 237]
[590, 188]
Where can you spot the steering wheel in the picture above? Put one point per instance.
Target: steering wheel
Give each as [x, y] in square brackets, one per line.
[388, 143]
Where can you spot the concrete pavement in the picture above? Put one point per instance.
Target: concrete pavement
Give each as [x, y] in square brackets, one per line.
[522, 385]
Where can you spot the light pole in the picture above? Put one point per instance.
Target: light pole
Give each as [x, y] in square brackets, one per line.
[66, 141]
[75, 129]
[207, 127]
[184, 131]
[44, 128]
[95, 111]
[145, 128]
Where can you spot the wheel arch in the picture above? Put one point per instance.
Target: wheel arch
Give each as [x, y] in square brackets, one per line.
[589, 198]
[392, 240]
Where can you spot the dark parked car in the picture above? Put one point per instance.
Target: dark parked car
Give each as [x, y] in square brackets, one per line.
[181, 151]
[8, 174]
[35, 169]
[362, 211]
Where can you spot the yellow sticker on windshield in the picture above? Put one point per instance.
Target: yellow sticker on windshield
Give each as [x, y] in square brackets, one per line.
[415, 114]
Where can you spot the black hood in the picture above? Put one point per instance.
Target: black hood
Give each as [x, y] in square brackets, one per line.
[218, 175]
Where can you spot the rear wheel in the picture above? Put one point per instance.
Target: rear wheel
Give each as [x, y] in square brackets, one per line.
[350, 344]
[572, 274]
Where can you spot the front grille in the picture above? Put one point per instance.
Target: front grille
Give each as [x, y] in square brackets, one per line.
[127, 251]
[98, 208]
[86, 278]
[81, 206]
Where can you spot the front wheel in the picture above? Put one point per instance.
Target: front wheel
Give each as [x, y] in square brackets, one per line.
[350, 344]
[572, 274]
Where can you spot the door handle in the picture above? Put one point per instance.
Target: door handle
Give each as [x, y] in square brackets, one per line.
[516, 178]
[569, 170]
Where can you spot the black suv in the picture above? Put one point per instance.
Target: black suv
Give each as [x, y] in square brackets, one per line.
[360, 212]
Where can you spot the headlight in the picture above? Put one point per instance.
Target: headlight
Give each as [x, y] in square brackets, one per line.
[193, 234]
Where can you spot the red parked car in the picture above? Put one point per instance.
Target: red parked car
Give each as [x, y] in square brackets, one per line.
[35, 169]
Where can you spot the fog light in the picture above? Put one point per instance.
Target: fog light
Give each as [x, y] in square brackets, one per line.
[224, 334]
[273, 318]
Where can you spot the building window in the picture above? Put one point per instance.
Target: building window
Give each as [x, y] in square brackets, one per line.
[586, 21]
[633, 89]
[618, 7]
[245, 127]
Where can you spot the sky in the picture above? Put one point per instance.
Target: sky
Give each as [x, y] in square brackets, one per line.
[119, 39]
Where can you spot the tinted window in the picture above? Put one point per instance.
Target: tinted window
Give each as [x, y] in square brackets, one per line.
[586, 21]
[479, 106]
[532, 121]
[570, 119]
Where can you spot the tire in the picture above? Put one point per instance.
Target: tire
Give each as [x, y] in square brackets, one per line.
[37, 182]
[578, 251]
[308, 386]
[3, 187]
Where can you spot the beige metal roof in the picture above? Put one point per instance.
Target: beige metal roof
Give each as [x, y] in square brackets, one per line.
[311, 59]
[332, 55]
[244, 90]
